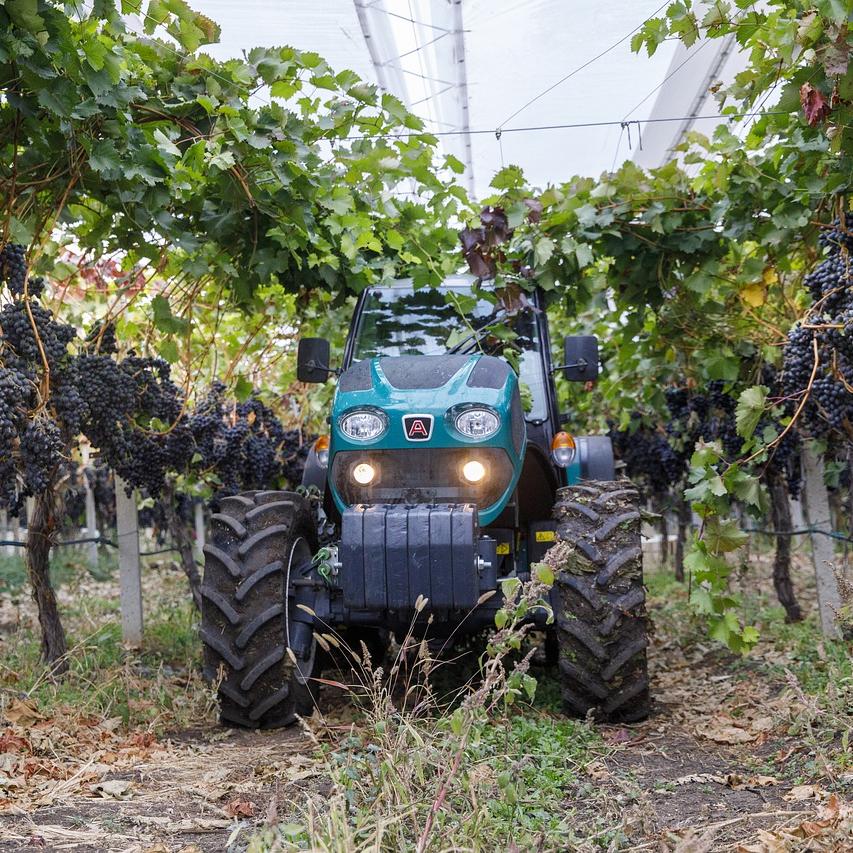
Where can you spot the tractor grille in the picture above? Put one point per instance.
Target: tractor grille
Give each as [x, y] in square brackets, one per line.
[423, 475]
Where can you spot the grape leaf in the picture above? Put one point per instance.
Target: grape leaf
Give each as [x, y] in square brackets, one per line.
[750, 408]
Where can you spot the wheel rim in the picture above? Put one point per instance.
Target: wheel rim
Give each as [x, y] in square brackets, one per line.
[300, 553]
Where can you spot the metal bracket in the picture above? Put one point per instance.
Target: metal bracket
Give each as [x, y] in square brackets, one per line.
[581, 365]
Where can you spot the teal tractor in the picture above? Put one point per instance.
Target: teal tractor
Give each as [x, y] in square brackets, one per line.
[446, 470]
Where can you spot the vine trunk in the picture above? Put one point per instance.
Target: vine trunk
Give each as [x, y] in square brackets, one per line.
[780, 511]
[41, 529]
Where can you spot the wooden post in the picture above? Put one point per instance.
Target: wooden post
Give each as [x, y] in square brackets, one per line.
[91, 548]
[129, 567]
[199, 529]
[816, 509]
[6, 533]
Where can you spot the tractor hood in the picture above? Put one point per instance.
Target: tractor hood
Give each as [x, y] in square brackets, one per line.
[420, 454]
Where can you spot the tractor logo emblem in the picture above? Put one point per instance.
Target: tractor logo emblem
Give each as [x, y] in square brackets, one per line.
[417, 427]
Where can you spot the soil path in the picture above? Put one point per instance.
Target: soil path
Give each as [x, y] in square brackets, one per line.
[730, 760]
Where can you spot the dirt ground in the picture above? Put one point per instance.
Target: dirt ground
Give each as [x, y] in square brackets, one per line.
[735, 757]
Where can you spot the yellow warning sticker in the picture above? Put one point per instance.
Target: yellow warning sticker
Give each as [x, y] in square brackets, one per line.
[503, 548]
[546, 535]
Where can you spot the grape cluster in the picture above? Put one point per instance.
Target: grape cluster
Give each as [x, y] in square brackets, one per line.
[243, 444]
[648, 456]
[827, 332]
[49, 395]
[129, 408]
[659, 456]
[13, 268]
[41, 453]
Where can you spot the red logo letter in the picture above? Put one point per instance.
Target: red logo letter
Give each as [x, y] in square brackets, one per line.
[418, 428]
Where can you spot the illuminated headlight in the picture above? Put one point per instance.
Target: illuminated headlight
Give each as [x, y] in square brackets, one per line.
[477, 422]
[364, 425]
[363, 473]
[473, 471]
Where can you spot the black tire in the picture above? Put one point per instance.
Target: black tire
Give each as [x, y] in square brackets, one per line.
[258, 644]
[600, 602]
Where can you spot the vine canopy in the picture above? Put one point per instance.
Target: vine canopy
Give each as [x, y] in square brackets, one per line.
[254, 170]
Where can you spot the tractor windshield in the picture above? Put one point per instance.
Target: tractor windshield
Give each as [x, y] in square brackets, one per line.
[399, 320]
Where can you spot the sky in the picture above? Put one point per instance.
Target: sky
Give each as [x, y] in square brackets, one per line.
[514, 50]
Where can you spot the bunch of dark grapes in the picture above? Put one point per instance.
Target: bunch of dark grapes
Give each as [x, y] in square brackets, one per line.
[243, 444]
[41, 452]
[827, 333]
[121, 406]
[13, 268]
[660, 456]
[784, 457]
[648, 455]
[130, 407]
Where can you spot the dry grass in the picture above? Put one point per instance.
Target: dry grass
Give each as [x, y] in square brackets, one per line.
[741, 754]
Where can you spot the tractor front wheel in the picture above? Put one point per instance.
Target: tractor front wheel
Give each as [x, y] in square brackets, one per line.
[259, 647]
[600, 602]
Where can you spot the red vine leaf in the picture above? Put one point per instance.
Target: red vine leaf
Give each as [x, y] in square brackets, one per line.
[476, 252]
[815, 105]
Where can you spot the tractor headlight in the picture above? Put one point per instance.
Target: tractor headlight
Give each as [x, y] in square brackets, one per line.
[363, 473]
[364, 424]
[473, 471]
[477, 422]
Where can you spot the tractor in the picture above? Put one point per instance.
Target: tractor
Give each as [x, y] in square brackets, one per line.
[446, 470]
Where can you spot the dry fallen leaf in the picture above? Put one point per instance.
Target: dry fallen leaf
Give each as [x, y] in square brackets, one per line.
[724, 729]
[692, 842]
[22, 712]
[801, 792]
[598, 771]
[700, 778]
[119, 789]
[738, 783]
[241, 807]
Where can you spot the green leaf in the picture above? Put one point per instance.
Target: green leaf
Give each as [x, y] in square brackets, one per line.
[750, 409]
[105, 157]
[544, 573]
[510, 177]
[747, 488]
[243, 388]
[454, 164]
[164, 320]
[543, 251]
[169, 350]
[24, 13]
[509, 587]
[584, 255]
[724, 536]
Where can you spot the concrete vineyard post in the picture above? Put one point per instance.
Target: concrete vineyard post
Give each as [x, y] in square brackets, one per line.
[91, 516]
[199, 528]
[816, 509]
[130, 574]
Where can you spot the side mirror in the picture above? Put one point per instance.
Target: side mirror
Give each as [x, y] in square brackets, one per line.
[312, 360]
[581, 358]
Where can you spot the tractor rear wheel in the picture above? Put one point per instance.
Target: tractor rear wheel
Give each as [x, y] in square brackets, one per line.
[259, 645]
[600, 602]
